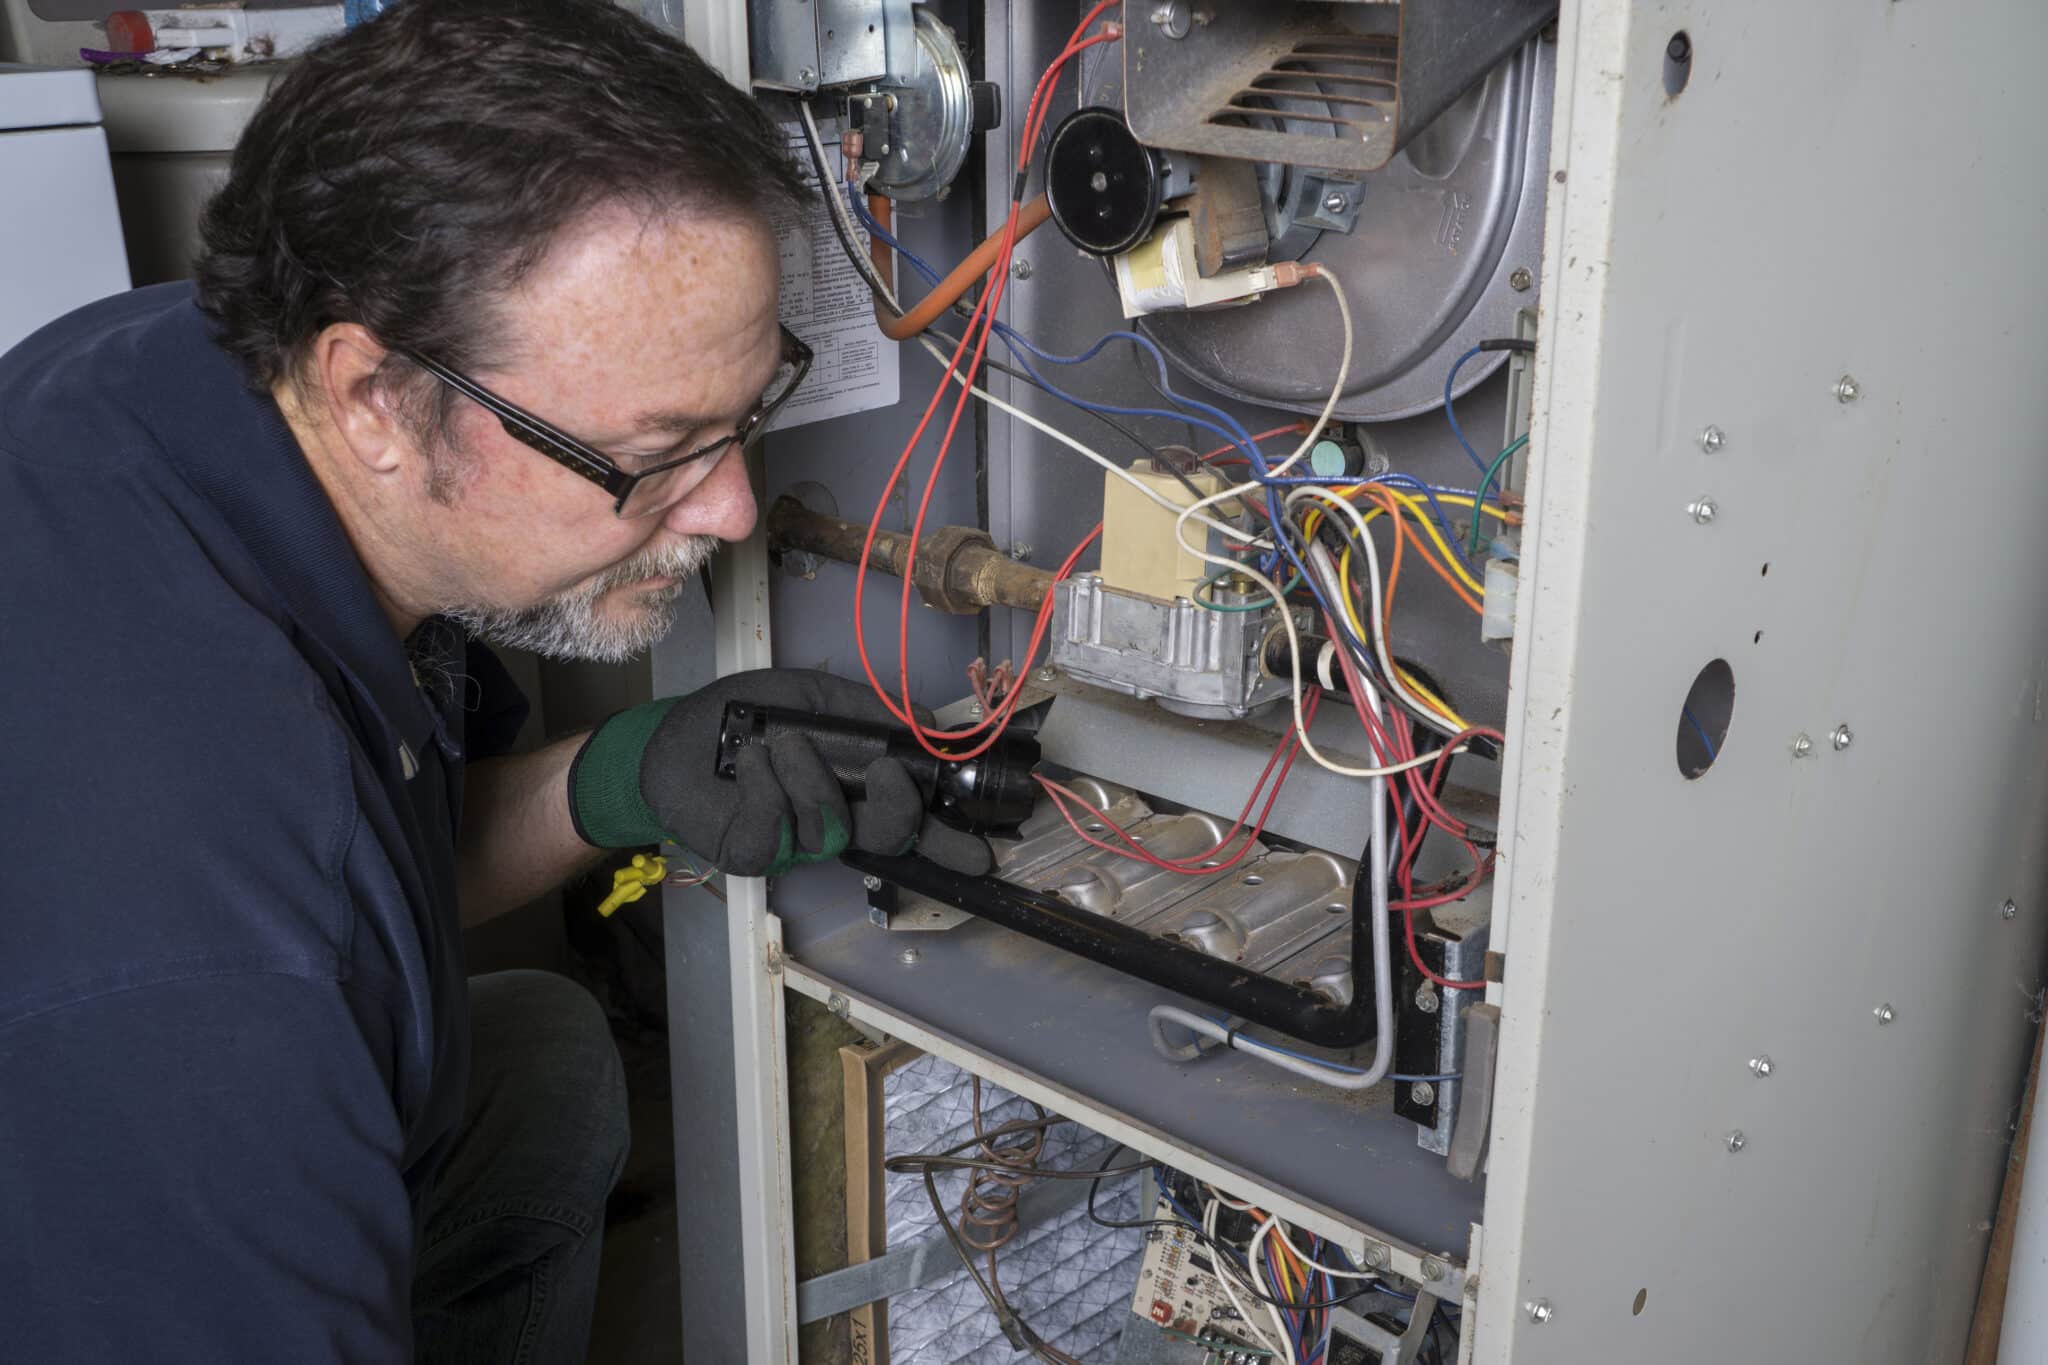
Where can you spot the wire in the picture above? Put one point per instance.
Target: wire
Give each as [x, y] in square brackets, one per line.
[1492, 473]
[1451, 412]
[1701, 730]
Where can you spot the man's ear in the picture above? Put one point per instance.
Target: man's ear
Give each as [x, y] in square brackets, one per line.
[344, 362]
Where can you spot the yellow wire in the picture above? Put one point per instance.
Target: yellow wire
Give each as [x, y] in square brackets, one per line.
[1429, 698]
[1428, 523]
[1497, 513]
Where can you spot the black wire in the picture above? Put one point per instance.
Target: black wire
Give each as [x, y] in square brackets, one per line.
[1223, 1250]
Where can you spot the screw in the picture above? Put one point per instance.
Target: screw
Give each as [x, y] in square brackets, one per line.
[908, 957]
[1377, 1257]
[1432, 1268]
[1847, 390]
[1048, 674]
[974, 708]
[1425, 998]
[871, 883]
[1841, 737]
[835, 1004]
[1336, 202]
[1020, 270]
[945, 192]
[1519, 279]
[1712, 439]
[1539, 1310]
[807, 77]
[1423, 1093]
[1802, 747]
[1702, 511]
[1760, 1065]
[2008, 910]
[1679, 49]
[1020, 552]
[1736, 1141]
[1884, 1014]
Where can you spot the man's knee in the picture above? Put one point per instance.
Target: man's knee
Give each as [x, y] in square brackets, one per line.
[544, 1049]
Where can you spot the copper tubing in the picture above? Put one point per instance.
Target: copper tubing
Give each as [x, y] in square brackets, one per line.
[949, 290]
[958, 568]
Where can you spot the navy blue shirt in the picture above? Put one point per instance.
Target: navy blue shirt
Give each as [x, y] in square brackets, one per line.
[233, 1029]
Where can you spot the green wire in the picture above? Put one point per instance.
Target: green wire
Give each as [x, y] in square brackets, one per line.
[1198, 598]
[1479, 500]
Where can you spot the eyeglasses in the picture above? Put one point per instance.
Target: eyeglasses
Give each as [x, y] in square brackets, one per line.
[636, 492]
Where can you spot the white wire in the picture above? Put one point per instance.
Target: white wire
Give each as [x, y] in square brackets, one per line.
[1259, 1272]
[1326, 1269]
[1323, 566]
[1285, 1345]
[1089, 452]
[1323, 273]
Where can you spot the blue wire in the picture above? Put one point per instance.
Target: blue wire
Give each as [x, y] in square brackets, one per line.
[1451, 537]
[1450, 413]
[1701, 731]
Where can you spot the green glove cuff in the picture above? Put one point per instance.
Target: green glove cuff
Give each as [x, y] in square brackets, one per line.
[604, 782]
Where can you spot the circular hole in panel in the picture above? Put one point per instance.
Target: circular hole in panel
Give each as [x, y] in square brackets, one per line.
[1642, 1297]
[1764, 572]
[1677, 62]
[1703, 718]
[1251, 880]
[1757, 638]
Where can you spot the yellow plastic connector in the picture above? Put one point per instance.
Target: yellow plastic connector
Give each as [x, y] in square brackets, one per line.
[630, 883]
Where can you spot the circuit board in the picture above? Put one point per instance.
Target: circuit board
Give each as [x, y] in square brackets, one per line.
[1178, 1288]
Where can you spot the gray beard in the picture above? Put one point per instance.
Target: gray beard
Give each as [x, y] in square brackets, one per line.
[567, 625]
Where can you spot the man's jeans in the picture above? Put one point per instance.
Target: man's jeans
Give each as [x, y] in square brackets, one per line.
[507, 1268]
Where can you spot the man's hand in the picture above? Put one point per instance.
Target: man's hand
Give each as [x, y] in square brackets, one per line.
[646, 775]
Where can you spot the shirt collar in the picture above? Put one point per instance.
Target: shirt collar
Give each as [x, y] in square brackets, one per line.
[244, 460]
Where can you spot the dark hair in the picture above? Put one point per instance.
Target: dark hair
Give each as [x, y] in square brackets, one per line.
[407, 172]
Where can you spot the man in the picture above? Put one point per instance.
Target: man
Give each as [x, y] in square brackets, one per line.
[486, 312]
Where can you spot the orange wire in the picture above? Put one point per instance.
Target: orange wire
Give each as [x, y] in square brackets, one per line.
[1387, 504]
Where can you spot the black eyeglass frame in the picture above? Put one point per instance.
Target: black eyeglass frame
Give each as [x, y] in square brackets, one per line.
[594, 464]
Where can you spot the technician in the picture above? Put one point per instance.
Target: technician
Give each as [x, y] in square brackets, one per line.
[485, 316]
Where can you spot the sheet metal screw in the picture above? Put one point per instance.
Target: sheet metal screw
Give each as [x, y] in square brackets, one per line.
[1425, 998]
[1847, 390]
[1048, 674]
[1736, 1141]
[1712, 439]
[908, 957]
[1335, 202]
[1802, 747]
[1020, 552]
[1702, 511]
[1884, 1013]
[2008, 910]
[871, 883]
[1519, 279]
[1377, 1257]
[974, 708]
[1020, 270]
[1842, 738]
[807, 77]
[835, 1004]
[1760, 1066]
[1432, 1268]
[1423, 1093]
[1539, 1311]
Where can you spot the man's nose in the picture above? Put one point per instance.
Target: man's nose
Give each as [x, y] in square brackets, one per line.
[723, 505]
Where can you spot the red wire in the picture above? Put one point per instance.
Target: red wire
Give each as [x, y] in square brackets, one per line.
[1287, 747]
[1294, 427]
[977, 332]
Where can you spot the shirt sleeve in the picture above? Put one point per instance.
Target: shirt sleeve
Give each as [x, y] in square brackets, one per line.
[203, 1169]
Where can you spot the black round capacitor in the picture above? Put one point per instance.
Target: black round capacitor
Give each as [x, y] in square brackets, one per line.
[1103, 184]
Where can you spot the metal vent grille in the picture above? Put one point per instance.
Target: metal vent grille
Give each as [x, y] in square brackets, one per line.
[1343, 83]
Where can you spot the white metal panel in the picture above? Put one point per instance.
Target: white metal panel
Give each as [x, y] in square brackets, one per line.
[1844, 187]
[46, 97]
[65, 250]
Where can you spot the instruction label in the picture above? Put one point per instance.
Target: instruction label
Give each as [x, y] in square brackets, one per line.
[825, 301]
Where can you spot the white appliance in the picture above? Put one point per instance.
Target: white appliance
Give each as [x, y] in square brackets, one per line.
[61, 246]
